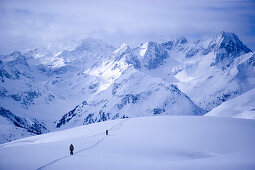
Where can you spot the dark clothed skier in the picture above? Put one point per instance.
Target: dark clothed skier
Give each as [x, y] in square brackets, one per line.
[106, 132]
[71, 149]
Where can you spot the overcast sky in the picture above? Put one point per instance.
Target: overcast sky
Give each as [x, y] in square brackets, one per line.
[30, 23]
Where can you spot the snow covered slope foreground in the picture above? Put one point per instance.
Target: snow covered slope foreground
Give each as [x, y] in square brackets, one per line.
[242, 106]
[157, 142]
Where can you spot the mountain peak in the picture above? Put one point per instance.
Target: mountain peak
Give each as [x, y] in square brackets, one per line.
[227, 46]
[224, 37]
[149, 47]
[226, 34]
[124, 46]
[180, 40]
[15, 53]
[152, 54]
[175, 44]
[121, 51]
[230, 41]
[13, 56]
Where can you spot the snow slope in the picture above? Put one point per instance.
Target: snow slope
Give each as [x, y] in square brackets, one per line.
[242, 106]
[157, 142]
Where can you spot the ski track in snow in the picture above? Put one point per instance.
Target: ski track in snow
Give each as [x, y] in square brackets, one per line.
[112, 129]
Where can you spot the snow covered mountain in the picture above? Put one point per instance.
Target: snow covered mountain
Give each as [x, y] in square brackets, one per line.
[217, 71]
[87, 81]
[36, 83]
[151, 96]
[209, 72]
[125, 91]
[18, 82]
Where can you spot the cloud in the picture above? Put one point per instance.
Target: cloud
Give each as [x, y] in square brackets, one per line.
[30, 23]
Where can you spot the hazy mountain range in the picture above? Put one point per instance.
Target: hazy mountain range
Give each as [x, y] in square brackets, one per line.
[82, 82]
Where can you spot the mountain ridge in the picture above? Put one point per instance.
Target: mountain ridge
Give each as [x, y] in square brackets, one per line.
[97, 82]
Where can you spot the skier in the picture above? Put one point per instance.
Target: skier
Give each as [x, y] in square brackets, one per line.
[106, 132]
[71, 149]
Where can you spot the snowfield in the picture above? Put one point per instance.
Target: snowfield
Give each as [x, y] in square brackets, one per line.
[156, 142]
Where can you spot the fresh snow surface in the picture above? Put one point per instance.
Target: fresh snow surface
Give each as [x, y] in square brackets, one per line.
[242, 106]
[157, 142]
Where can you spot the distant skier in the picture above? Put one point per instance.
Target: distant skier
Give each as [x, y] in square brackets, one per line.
[106, 132]
[71, 149]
